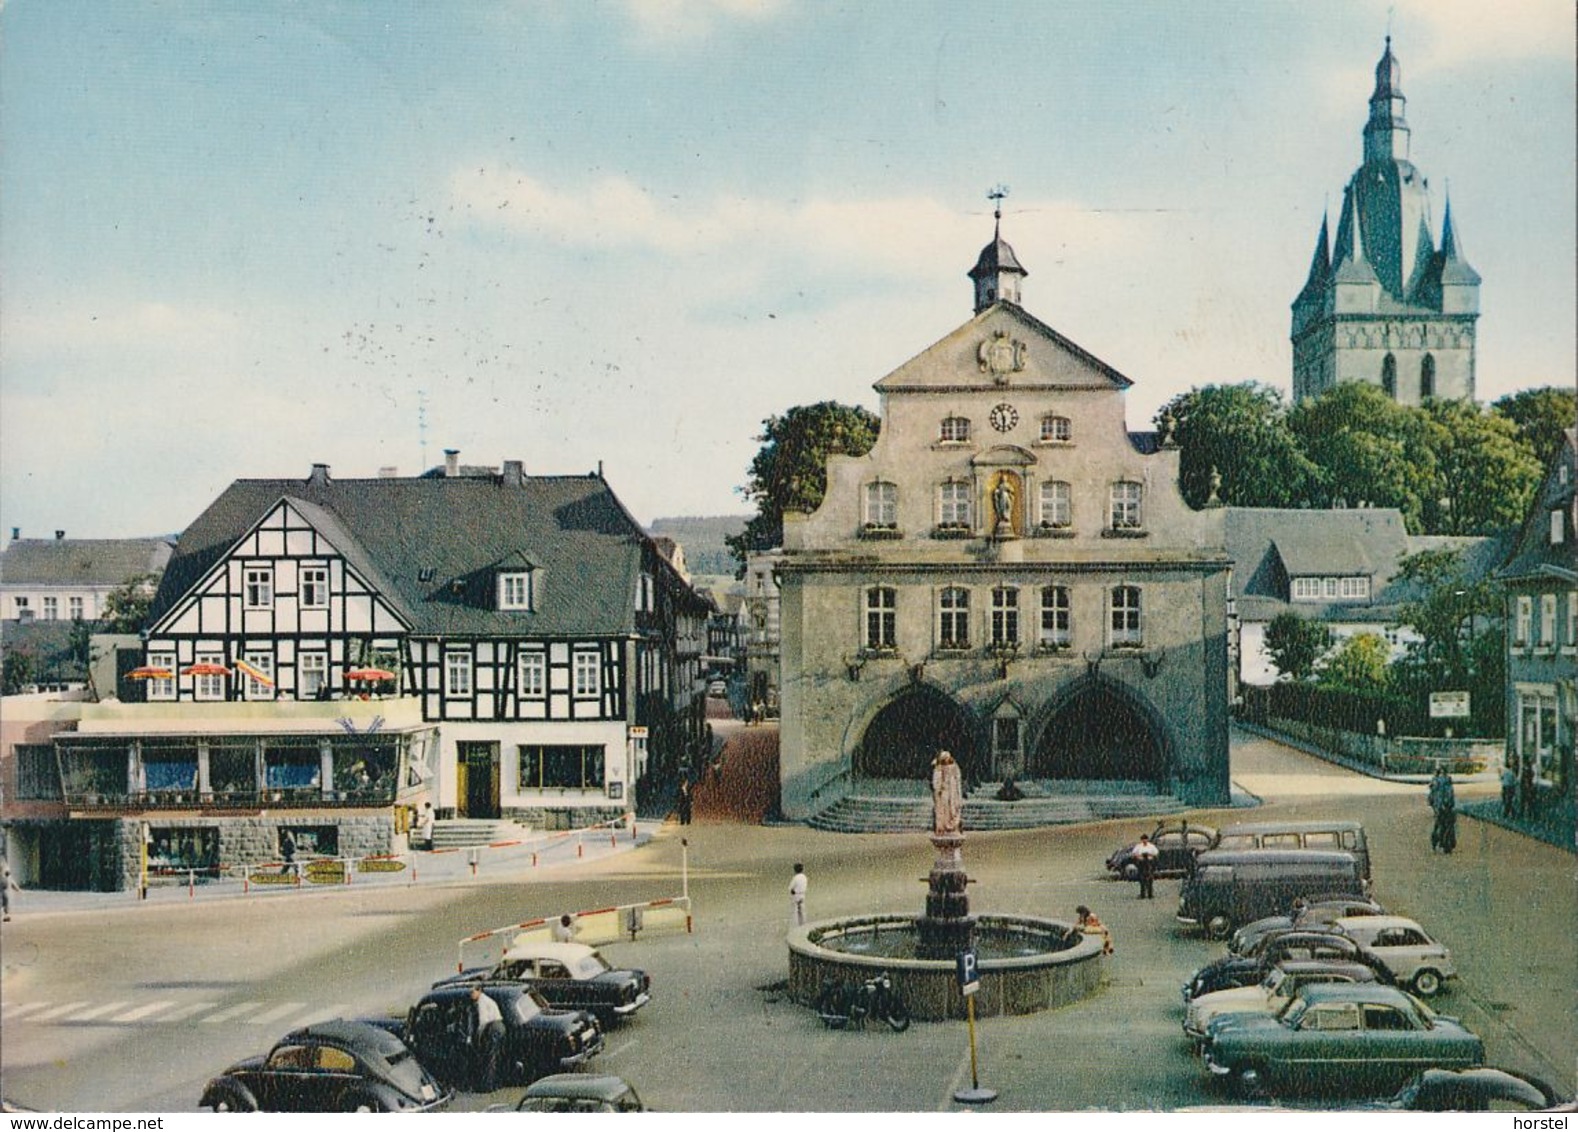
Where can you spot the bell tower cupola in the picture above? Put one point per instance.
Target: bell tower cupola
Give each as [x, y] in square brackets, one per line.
[997, 271]
[1386, 133]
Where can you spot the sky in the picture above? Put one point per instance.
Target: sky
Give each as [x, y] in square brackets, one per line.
[241, 237]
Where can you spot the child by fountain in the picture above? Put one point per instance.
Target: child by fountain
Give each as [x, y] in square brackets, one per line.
[1087, 924]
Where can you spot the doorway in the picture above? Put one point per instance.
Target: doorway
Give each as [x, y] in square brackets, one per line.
[478, 779]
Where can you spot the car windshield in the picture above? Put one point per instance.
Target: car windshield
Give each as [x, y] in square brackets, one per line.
[589, 966]
[1276, 980]
[525, 1007]
[1292, 1011]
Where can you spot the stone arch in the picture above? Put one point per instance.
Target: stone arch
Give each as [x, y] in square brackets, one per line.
[905, 734]
[1100, 730]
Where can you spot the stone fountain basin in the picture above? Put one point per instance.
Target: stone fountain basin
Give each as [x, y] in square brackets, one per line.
[1052, 975]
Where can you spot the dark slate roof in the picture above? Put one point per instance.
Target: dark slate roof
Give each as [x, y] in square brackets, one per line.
[1269, 545]
[81, 561]
[454, 532]
[1532, 554]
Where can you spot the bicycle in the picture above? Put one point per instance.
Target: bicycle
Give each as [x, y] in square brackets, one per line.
[842, 1005]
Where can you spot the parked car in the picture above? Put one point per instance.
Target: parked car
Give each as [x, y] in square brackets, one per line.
[1413, 958]
[717, 688]
[1338, 1039]
[1322, 836]
[580, 1092]
[1473, 1090]
[533, 1040]
[337, 1066]
[571, 976]
[1313, 915]
[1231, 887]
[1177, 844]
[1281, 984]
[1245, 970]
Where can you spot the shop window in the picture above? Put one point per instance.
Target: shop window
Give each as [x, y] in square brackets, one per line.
[565, 766]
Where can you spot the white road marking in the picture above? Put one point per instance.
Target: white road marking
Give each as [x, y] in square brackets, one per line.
[11, 1012]
[231, 1012]
[181, 1013]
[141, 1011]
[56, 1012]
[275, 1014]
[96, 1011]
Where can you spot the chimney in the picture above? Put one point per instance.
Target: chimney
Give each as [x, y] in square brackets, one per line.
[320, 475]
[451, 461]
[388, 472]
[514, 473]
[60, 535]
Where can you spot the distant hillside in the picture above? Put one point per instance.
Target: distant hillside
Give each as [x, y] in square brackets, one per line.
[702, 537]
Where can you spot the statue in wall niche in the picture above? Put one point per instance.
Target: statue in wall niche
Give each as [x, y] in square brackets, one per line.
[1003, 500]
[947, 795]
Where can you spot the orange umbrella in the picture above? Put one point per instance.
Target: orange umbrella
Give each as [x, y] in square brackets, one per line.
[150, 672]
[369, 674]
[255, 673]
[205, 669]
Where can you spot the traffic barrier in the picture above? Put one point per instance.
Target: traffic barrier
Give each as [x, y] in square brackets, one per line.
[592, 926]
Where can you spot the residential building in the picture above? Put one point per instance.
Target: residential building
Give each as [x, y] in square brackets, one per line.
[1383, 303]
[1540, 583]
[1008, 574]
[67, 579]
[763, 633]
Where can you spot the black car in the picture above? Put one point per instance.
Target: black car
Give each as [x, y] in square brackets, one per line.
[1177, 844]
[532, 1039]
[1246, 970]
[1315, 914]
[1473, 1090]
[337, 1066]
[571, 976]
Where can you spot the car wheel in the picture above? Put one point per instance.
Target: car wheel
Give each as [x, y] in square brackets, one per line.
[1246, 1079]
[1427, 983]
[1217, 927]
[234, 1100]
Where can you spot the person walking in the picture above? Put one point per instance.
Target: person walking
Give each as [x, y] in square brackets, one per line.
[287, 852]
[7, 886]
[424, 826]
[1087, 924]
[1526, 788]
[685, 801]
[1509, 791]
[1145, 855]
[1443, 802]
[797, 887]
[487, 1037]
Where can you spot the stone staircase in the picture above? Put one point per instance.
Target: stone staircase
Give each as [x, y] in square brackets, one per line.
[463, 833]
[905, 806]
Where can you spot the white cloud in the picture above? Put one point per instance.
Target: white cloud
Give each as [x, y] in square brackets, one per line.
[1452, 32]
[687, 21]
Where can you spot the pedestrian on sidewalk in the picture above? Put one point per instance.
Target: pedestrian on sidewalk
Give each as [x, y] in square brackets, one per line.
[7, 885]
[287, 852]
[1145, 855]
[1443, 801]
[685, 801]
[424, 826]
[1509, 791]
[1526, 788]
[797, 887]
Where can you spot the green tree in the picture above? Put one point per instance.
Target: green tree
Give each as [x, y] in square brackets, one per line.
[1485, 473]
[16, 670]
[1359, 664]
[1240, 433]
[1368, 449]
[1540, 416]
[1460, 643]
[789, 472]
[1295, 644]
[126, 606]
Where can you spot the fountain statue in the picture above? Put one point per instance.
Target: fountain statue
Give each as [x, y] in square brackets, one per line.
[947, 928]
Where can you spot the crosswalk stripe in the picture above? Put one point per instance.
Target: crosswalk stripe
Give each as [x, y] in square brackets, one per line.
[278, 1012]
[141, 1012]
[94, 1012]
[231, 1012]
[323, 1014]
[57, 1011]
[183, 1012]
[11, 1012]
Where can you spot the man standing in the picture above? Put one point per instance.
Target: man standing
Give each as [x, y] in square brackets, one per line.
[1443, 801]
[1145, 854]
[1509, 791]
[6, 885]
[684, 804]
[797, 888]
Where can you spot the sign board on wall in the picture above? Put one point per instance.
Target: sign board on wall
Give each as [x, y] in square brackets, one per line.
[1448, 705]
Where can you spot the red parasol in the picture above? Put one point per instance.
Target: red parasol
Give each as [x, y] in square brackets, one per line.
[369, 674]
[150, 672]
[205, 669]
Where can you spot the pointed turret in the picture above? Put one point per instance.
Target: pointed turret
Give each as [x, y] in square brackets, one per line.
[1386, 133]
[997, 271]
[1312, 299]
[1355, 286]
[1458, 282]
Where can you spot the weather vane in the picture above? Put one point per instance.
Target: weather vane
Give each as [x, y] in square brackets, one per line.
[996, 195]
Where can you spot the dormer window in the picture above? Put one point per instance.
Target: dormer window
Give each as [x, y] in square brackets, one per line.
[1056, 429]
[645, 601]
[515, 590]
[955, 430]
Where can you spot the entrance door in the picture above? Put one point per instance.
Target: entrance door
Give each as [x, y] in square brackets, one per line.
[478, 779]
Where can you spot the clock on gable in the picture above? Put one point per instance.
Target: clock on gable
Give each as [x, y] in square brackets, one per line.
[1003, 416]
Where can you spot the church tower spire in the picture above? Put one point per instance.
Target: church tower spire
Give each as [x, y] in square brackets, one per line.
[997, 271]
[1386, 134]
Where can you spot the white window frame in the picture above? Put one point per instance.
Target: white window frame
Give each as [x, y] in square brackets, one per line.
[954, 430]
[257, 587]
[1306, 589]
[587, 669]
[51, 608]
[532, 670]
[1057, 504]
[1355, 588]
[162, 689]
[1127, 512]
[1005, 616]
[76, 606]
[313, 585]
[264, 663]
[459, 674]
[1558, 527]
[1125, 617]
[1057, 616]
[1547, 621]
[514, 590]
[24, 606]
[1056, 429]
[880, 622]
[953, 614]
[310, 667]
[1571, 641]
[1523, 626]
[954, 504]
[209, 688]
[882, 504]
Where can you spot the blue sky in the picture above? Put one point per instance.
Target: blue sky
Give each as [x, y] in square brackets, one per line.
[238, 238]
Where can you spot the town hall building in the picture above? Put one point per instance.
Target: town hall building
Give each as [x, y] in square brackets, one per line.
[1009, 575]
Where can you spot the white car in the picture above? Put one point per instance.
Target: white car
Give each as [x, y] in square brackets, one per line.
[1414, 959]
[1271, 994]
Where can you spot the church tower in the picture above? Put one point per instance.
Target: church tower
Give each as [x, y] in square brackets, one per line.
[1382, 303]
